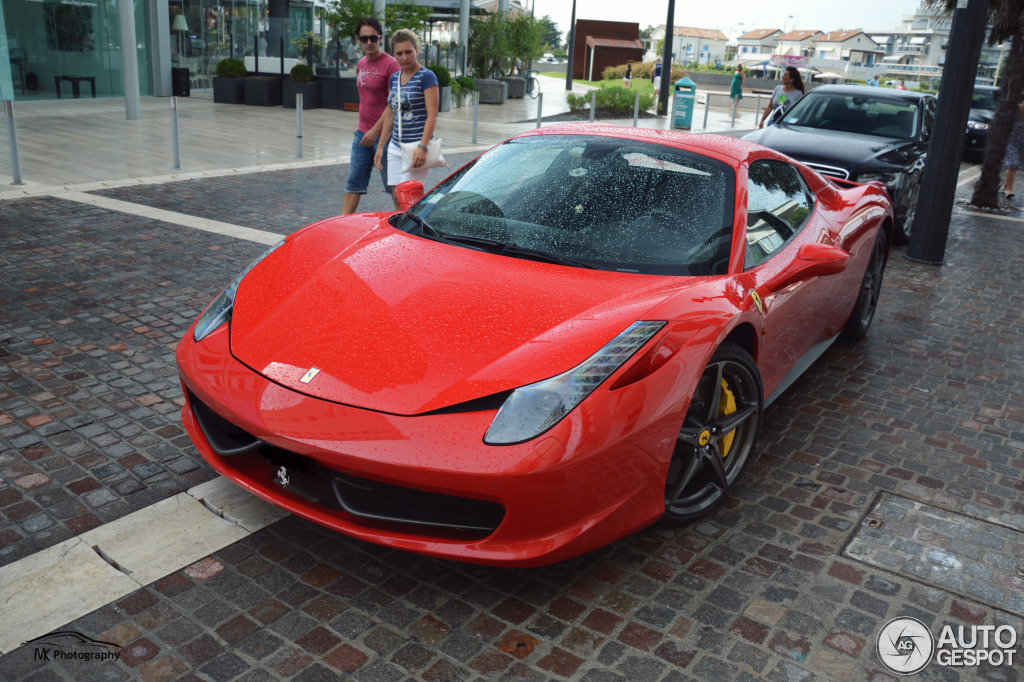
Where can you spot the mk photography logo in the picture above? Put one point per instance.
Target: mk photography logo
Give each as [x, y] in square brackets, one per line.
[905, 646]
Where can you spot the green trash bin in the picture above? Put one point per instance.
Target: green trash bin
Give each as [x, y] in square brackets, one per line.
[685, 97]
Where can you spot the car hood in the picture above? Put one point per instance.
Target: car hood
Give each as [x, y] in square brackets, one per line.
[405, 325]
[829, 147]
[982, 115]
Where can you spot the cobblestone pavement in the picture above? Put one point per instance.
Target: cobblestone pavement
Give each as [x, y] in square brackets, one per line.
[282, 203]
[920, 424]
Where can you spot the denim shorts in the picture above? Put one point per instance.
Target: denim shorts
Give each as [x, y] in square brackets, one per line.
[361, 166]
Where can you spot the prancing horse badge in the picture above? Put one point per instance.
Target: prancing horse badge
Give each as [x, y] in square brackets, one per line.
[282, 477]
[308, 376]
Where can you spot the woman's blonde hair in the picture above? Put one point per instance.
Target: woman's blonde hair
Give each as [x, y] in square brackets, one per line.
[404, 35]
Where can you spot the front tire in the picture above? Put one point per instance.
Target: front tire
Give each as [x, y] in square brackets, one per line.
[901, 234]
[717, 436]
[870, 288]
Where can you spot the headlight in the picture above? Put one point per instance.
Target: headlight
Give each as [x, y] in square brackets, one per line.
[532, 410]
[977, 125]
[219, 312]
[888, 178]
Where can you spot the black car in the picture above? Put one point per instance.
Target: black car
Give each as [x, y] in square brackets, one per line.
[983, 108]
[860, 133]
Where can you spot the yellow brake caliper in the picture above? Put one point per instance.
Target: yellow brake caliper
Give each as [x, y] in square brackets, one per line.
[726, 406]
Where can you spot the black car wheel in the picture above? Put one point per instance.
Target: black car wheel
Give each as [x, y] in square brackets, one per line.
[901, 235]
[870, 288]
[717, 436]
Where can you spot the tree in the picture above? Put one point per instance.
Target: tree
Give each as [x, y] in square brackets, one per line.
[551, 36]
[1006, 21]
[407, 14]
[525, 36]
[488, 44]
[344, 15]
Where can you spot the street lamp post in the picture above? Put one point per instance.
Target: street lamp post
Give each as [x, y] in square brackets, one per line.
[572, 48]
[778, 62]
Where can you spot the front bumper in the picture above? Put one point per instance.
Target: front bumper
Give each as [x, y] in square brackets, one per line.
[595, 477]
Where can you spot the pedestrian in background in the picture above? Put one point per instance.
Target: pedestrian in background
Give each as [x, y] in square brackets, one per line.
[785, 95]
[417, 106]
[373, 72]
[1014, 157]
[656, 76]
[736, 89]
[629, 75]
[901, 86]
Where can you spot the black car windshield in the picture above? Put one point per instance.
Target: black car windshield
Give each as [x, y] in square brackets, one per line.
[984, 99]
[599, 202]
[863, 114]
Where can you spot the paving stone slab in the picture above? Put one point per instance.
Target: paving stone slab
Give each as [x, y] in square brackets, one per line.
[54, 587]
[950, 565]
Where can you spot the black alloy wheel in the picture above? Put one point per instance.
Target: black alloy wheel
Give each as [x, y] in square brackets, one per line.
[870, 289]
[717, 436]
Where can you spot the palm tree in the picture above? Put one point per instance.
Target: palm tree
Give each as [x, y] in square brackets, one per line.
[1006, 18]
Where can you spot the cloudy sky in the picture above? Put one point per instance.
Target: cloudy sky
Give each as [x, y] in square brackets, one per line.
[824, 15]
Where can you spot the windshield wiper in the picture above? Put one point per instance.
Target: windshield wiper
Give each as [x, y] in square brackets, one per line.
[515, 249]
[494, 245]
[425, 229]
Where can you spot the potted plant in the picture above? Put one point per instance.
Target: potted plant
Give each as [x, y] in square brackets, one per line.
[466, 86]
[301, 81]
[229, 85]
[488, 51]
[444, 84]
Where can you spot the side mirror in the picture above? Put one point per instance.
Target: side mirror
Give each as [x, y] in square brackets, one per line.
[812, 260]
[776, 115]
[408, 193]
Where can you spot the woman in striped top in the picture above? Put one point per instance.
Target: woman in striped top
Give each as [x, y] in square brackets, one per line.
[417, 107]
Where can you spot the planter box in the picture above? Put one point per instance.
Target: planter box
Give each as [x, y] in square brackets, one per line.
[339, 92]
[516, 87]
[492, 91]
[229, 90]
[263, 91]
[310, 94]
[444, 102]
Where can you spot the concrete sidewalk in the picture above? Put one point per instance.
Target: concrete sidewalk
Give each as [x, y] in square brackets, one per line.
[85, 144]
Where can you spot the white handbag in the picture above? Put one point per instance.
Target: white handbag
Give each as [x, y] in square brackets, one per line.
[434, 157]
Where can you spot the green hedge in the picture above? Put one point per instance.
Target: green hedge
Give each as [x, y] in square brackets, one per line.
[231, 68]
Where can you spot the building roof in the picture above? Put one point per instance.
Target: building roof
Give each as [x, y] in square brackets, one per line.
[758, 34]
[705, 33]
[799, 35]
[612, 42]
[841, 36]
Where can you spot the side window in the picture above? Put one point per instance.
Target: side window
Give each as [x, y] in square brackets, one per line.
[778, 206]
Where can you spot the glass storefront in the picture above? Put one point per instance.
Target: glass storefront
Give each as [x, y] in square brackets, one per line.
[203, 32]
[68, 46]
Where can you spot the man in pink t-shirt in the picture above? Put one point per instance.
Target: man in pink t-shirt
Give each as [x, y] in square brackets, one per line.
[372, 75]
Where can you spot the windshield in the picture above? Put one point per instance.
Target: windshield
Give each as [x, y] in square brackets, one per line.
[984, 99]
[600, 202]
[862, 114]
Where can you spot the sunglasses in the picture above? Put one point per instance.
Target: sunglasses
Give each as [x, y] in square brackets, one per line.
[369, 39]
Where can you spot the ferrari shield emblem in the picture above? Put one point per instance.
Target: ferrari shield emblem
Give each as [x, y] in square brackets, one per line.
[308, 376]
[282, 477]
[757, 301]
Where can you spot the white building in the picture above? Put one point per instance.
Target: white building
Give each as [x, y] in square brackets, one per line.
[702, 45]
[760, 41]
[855, 47]
[798, 43]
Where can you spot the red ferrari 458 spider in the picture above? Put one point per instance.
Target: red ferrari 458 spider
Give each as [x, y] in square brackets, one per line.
[569, 338]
